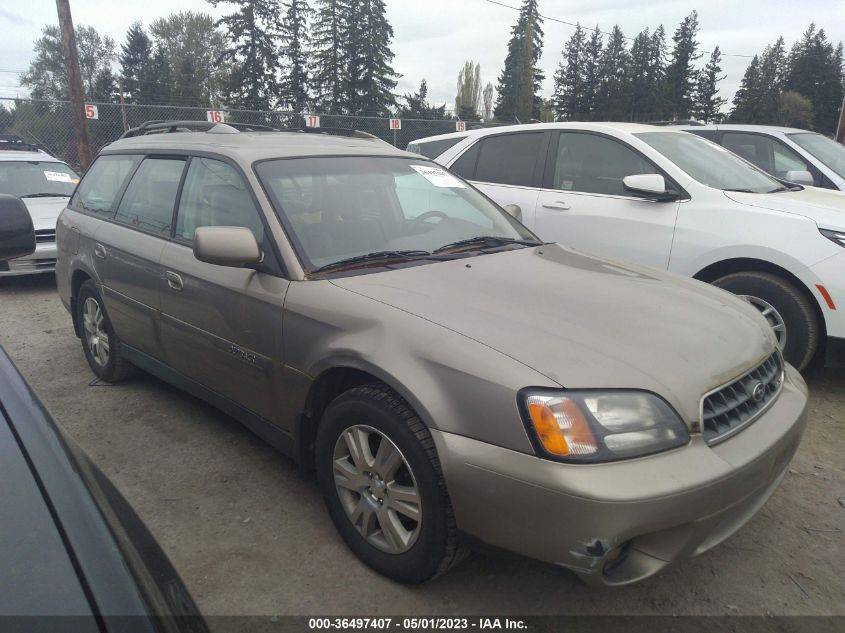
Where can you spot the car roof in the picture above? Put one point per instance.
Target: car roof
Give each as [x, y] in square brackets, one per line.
[253, 146]
[744, 128]
[604, 126]
[23, 155]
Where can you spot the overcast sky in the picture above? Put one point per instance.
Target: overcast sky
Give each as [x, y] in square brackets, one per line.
[434, 37]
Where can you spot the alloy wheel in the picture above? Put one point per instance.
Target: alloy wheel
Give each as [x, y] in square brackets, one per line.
[772, 316]
[95, 332]
[377, 489]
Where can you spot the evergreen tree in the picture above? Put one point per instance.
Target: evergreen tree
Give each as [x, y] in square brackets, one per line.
[294, 41]
[158, 84]
[520, 73]
[654, 105]
[772, 75]
[815, 71]
[375, 84]
[567, 97]
[188, 89]
[680, 74]
[417, 107]
[747, 97]
[708, 103]
[591, 76]
[250, 34]
[105, 86]
[613, 77]
[637, 77]
[134, 61]
[330, 51]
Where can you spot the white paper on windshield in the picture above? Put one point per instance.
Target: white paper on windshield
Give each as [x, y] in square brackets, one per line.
[438, 177]
[57, 176]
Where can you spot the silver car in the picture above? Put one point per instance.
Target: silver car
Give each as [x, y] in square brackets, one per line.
[443, 372]
[44, 183]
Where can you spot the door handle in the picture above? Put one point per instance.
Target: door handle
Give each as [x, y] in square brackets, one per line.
[100, 250]
[174, 281]
[559, 205]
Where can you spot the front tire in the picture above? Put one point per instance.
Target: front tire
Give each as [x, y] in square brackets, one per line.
[383, 486]
[786, 308]
[99, 341]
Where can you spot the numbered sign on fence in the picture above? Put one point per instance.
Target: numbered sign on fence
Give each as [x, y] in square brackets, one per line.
[395, 124]
[215, 116]
[312, 120]
[91, 111]
[460, 126]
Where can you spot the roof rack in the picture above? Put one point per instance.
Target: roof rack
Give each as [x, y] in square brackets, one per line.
[335, 131]
[14, 142]
[166, 127]
[679, 122]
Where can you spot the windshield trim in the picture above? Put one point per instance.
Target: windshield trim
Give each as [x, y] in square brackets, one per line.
[310, 270]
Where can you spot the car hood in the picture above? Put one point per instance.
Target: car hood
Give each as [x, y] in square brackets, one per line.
[585, 322]
[823, 206]
[45, 211]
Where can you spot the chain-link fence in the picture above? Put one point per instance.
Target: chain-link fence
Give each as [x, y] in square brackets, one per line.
[50, 123]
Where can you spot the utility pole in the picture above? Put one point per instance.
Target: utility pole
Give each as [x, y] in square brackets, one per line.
[74, 78]
[840, 129]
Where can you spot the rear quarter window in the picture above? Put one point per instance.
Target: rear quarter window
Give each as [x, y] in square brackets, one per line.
[433, 149]
[509, 159]
[102, 182]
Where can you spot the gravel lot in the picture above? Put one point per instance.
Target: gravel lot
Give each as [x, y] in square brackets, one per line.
[249, 534]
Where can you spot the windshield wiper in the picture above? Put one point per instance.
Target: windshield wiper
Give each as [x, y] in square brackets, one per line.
[487, 241]
[376, 257]
[45, 195]
[741, 190]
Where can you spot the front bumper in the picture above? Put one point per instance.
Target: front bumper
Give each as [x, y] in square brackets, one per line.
[42, 260]
[830, 274]
[616, 523]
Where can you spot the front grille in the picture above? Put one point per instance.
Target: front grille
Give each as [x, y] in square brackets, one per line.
[31, 265]
[43, 236]
[730, 408]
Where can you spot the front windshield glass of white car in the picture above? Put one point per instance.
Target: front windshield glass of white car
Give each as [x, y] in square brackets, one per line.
[37, 179]
[826, 150]
[341, 208]
[710, 164]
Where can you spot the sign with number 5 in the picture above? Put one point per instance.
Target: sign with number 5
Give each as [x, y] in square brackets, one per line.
[91, 111]
[215, 116]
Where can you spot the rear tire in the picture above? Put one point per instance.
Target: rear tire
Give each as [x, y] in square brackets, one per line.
[99, 341]
[407, 550]
[799, 336]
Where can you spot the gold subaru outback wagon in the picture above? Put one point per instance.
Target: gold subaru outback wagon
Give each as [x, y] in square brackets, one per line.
[443, 372]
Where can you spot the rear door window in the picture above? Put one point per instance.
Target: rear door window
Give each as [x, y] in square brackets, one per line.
[465, 165]
[102, 183]
[509, 159]
[151, 195]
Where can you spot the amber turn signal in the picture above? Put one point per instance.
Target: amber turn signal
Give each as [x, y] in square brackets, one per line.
[548, 429]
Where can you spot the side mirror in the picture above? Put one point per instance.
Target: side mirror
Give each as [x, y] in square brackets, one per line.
[233, 246]
[514, 210]
[800, 178]
[651, 186]
[17, 235]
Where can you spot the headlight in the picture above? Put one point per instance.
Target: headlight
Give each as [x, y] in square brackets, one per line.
[600, 426]
[836, 236]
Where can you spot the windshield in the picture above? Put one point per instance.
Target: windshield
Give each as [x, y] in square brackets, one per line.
[710, 164]
[31, 178]
[342, 207]
[826, 150]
